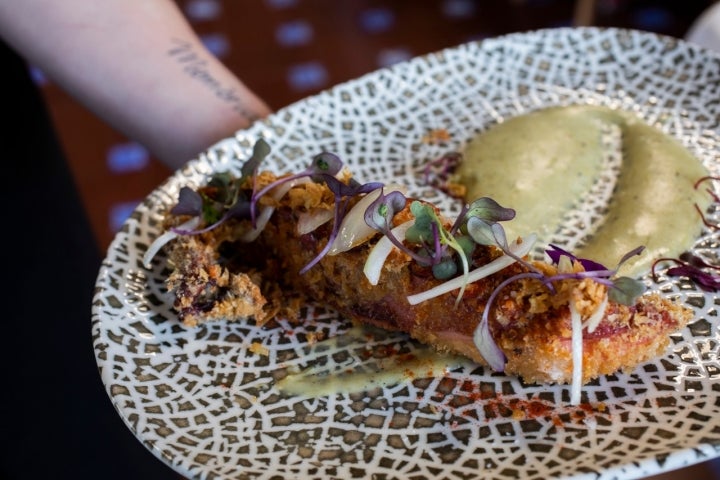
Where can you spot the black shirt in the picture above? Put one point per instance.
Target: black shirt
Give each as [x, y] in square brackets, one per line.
[57, 421]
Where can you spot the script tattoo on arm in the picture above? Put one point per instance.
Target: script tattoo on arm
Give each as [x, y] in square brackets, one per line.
[194, 65]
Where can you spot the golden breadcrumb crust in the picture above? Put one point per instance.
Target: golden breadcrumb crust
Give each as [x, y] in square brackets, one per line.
[530, 323]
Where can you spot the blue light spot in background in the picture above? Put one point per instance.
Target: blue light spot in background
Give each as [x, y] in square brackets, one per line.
[458, 8]
[377, 20]
[652, 18]
[127, 157]
[199, 10]
[38, 76]
[119, 213]
[293, 34]
[217, 43]
[307, 76]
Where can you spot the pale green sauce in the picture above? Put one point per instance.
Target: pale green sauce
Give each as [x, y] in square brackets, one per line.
[542, 163]
[354, 362]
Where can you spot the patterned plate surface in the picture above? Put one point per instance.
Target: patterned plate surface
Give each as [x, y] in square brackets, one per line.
[206, 401]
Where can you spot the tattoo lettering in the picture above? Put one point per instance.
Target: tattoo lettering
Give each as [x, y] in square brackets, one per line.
[196, 67]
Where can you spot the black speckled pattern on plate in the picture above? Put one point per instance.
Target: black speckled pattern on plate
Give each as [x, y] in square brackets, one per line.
[208, 406]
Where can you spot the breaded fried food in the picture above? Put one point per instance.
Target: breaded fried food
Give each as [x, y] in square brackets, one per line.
[217, 274]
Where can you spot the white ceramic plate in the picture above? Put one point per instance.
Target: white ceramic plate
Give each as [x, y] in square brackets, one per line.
[204, 403]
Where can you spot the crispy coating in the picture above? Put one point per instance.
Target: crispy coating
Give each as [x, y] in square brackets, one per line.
[530, 323]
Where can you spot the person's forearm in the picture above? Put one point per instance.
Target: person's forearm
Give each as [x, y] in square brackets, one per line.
[139, 66]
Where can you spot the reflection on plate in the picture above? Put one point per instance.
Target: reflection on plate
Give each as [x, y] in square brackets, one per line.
[206, 400]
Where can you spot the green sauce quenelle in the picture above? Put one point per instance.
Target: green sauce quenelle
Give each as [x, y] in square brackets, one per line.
[542, 164]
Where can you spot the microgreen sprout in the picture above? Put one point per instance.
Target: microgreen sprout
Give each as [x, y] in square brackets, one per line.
[483, 338]
[379, 215]
[712, 194]
[428, 232]
[481, 221]
[223, 199]
[694, 268]
[624, 290]
[215, 206]
[189, 203]
[323, 164]
[342, 193]
[261, 149]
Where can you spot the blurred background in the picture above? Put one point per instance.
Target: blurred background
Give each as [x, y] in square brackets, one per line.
[286, 50]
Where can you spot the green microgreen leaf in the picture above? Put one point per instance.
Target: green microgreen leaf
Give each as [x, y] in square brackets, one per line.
[482, 222]
[261, 149]
[485, 208]
[447, 268]
[485, 233]
[429, 232]
[422, 231]
[379, 215]
[626, 290]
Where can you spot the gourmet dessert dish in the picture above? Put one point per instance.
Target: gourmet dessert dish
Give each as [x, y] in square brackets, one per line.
[258, 245]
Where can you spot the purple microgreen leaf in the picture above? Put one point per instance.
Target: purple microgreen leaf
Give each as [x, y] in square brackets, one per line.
[555, 252]
[692, 267]
[240, 210]
[696, 261]
[706, 281]
[340, 189]
[379, 216]
[189, 203]
[325, 163]
[630, 254]
[380, 213]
